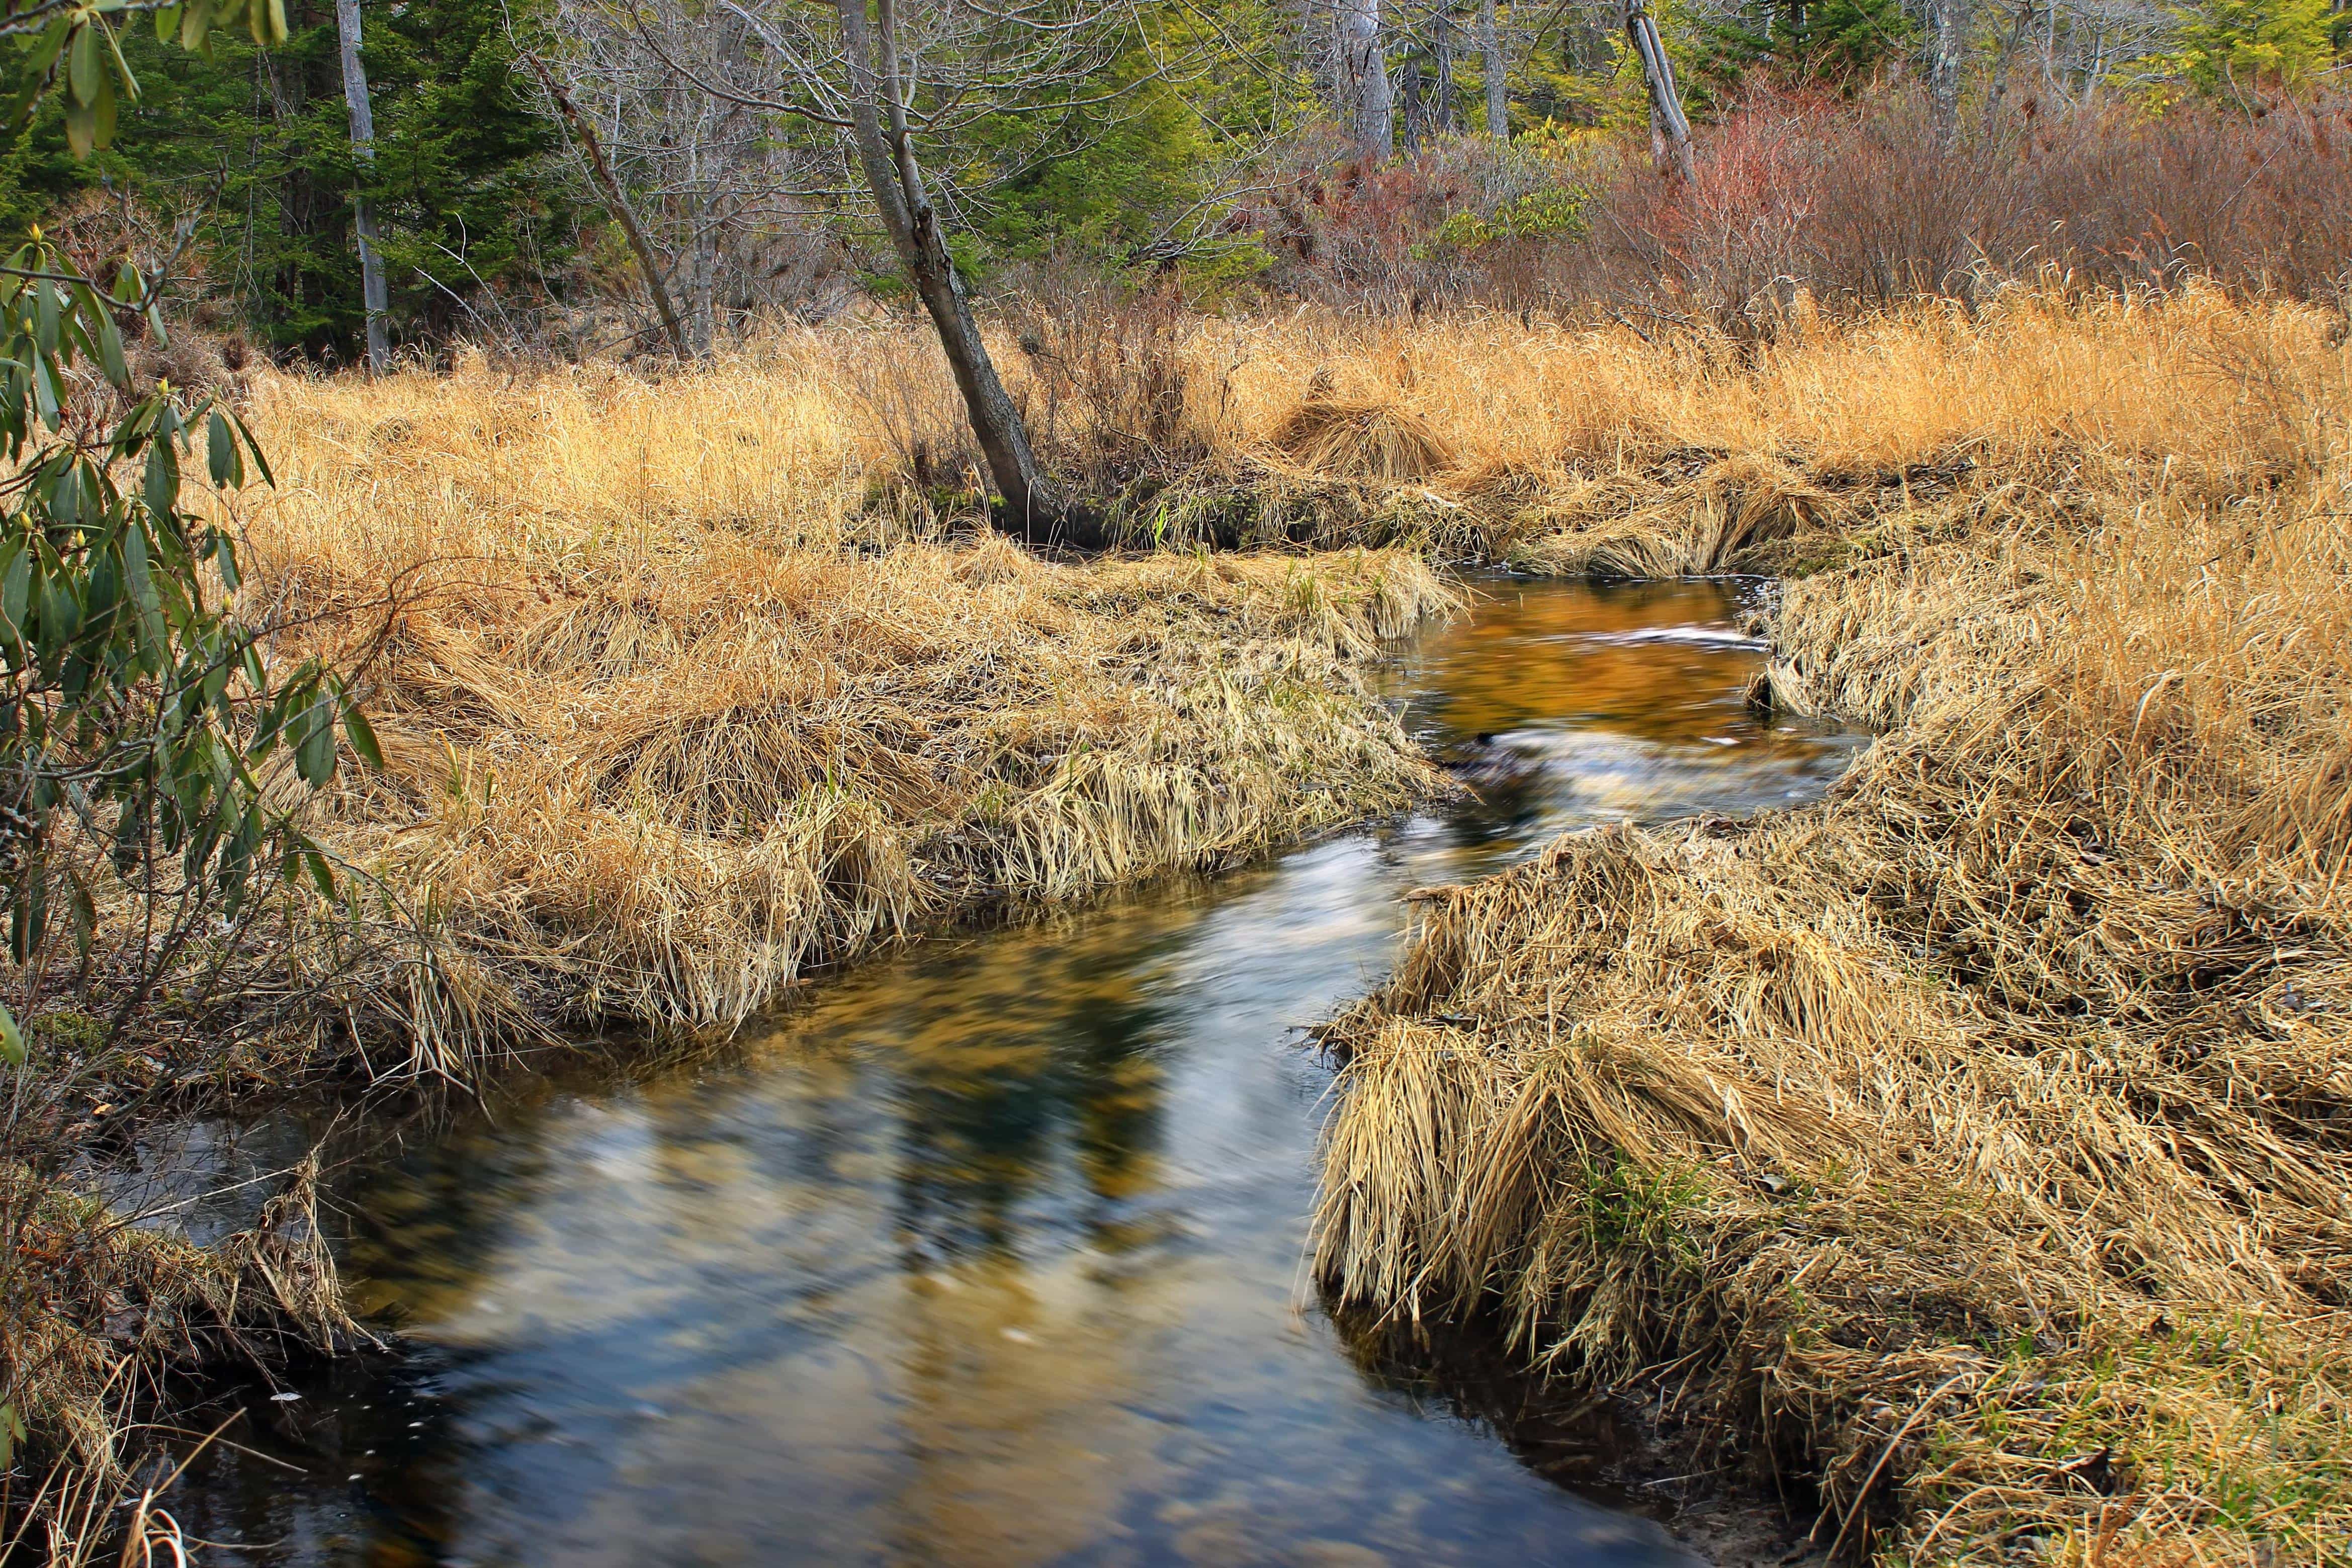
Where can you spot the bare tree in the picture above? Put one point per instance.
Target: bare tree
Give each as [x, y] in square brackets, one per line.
[1670, 138]
[1490, 63]
[616, 202]
[896, 81]
[1364, 73]
[1947, 30]
[374, 295]
[715, 196]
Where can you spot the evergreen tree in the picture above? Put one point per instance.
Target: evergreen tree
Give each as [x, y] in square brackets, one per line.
[258, 141]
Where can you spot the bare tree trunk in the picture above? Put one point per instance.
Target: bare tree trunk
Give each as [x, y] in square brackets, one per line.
[1947, 38]
[1441, 48]
[618, 201]
[1490, 62]
[1365, 63]
[373, 297]
[2009, 48]
[1415, 109]
[885, 155]
[1670, 140]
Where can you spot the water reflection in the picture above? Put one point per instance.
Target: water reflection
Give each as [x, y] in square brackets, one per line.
[989, 1254]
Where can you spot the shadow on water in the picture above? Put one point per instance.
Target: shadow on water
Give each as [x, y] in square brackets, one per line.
[990, 1252]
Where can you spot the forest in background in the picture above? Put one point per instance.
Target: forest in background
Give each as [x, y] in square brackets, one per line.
[1858, 150]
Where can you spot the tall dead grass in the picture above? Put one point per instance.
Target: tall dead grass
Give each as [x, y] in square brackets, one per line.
[689, 685]
[1970, 1156]
[673, 713]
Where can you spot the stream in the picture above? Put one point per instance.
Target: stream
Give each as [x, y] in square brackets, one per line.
[990, 1252]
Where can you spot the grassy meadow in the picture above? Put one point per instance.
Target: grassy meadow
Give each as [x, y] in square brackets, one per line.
[1965, 1156]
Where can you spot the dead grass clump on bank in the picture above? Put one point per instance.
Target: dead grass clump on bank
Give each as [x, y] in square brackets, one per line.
[97, 1312]
[1363, 440]
[1968, 1155]
[1558, 448]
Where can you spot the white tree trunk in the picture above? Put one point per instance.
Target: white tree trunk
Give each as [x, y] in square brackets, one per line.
[1364, 63]
[1670, 138]
[1490, 62]
[373, 297]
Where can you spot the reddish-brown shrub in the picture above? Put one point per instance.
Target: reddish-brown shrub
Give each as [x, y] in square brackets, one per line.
[1851, 203]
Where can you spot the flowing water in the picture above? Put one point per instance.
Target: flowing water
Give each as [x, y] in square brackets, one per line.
[990, 1253]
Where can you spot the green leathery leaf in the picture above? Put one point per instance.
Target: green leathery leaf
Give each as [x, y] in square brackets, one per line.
[220, 442]
[60, 612]
[53, 42]
[12, 1051]
[121, 66]
[49, 389]
[81, 129]
[142, 594]
[361, 734]
[162, 486]
[15, 588]
[103, 112]
[314, 746]
[83, 70]
[18, 112]
[45, 315]
[167, 22]
[110, 349]
[260, 458]
[65, 500]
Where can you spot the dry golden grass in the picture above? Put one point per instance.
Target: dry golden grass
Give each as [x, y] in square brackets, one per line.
[1550, 445]
[1977, 1146]
[668, 725]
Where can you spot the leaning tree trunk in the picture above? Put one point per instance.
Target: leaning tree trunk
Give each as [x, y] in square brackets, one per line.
[617, 201]
[1365, 64]
[1490, 62]
[1670, 138]
[373, 297]
[1947, 29]
[885, 156]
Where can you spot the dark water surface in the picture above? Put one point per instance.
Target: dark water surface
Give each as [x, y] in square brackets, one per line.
[990, 1253]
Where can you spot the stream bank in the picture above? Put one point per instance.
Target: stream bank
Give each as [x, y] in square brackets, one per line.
[992, 1251]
